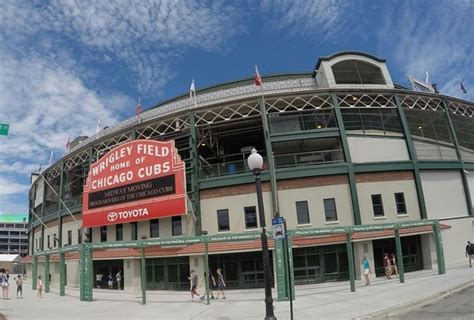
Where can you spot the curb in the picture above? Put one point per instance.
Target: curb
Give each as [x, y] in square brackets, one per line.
[408, 306]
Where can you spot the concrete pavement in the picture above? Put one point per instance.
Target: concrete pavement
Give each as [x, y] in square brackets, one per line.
[319, 301]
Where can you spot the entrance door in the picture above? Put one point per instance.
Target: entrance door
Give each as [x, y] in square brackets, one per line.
[106, 268]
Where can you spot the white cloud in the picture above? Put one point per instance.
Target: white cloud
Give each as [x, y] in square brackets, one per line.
[146, 36]
[9, 187]
[441, 44]
[322, 19]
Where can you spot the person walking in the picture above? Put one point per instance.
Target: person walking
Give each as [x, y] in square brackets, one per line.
[98, 279]
[366, 266]
[393, 263]
[110, 280]
[19, 286]
[470, 252]
[193, 279]
[387, 266]
[118, 278]
[203, 284]
[39, 287]
[5, 284]
[220, 283]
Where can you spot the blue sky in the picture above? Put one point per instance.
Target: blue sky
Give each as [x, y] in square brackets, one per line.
[65, 64]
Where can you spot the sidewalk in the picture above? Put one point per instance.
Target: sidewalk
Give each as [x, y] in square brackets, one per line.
[320, 301]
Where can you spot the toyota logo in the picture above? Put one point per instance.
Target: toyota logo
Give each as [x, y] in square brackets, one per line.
[112, 216]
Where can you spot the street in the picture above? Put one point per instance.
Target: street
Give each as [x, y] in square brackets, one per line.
[459, 305]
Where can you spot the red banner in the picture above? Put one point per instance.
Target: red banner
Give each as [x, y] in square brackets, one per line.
[138, 180]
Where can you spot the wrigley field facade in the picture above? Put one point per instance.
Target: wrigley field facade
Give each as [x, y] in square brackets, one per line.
[345, 150]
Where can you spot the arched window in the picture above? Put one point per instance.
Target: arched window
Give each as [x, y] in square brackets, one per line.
[357, 72]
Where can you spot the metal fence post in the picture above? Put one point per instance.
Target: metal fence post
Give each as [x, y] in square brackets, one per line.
[62, 274]
[143, 273]
[206, 268]
[439, 248]
[34, 272]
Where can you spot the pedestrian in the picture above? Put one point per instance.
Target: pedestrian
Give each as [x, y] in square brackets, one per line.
[19, 286]
[203, 284]
[193, 279]
[366, 265]
[393, 263]
[470, 252]
[387, 266]
[110, 280]
[39, 287]
[5, 284]
[49, 279]
[118, 278]
[98, 279]
[220, 283]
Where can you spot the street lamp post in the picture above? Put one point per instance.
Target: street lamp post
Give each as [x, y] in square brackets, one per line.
[255, 163]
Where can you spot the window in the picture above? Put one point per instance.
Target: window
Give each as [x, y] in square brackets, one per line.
[103, 234]
[176, 229]
[356, 71]
[133, 231]
[330, 209]
[377, 205]
[154, 228]
[119, 232]
[302, 212]
[79, 236]
[400, 202]
[250, 218]
[69, 237]
[49, 242]
[223, 220]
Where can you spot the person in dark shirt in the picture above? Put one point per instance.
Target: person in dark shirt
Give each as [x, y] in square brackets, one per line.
[470, 253]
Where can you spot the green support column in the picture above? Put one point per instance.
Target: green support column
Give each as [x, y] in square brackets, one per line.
[347, 156]
[465, 182]
[398, 244]
[81, 273]
[34, 272]
[413, 157]
[350, 260]
[88, 273]
[62, 274]
[281, 270]
[195, 172]
[439, 248]
[270, 160]
[143, 274]
[206, 269]
[46, 273]
[60, 218]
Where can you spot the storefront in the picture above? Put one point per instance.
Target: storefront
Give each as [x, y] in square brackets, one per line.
[106, 268]
[167, 273]
[412, 253]
[320, 264]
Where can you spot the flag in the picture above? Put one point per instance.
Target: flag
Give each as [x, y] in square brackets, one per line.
[258, 79]
[192, 90]
[139, 107]
[97, 128]
[463, 88]
[50, 162]
[68, 144]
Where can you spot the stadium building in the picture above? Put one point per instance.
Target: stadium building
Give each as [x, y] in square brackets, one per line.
[343, 146]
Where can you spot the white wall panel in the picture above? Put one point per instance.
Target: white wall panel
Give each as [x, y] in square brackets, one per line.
[370, 149]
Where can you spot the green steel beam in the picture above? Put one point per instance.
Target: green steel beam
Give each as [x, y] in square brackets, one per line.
[46, 274]
[270, 159]
[231, 180]
[347, 156]
[312, 171]
[439, 247]
[465, 182]
[436, 165]
[206, 270]
[383, 166]
[413, 157]
[45, 189]
[350, 259]
[196, 199]
[304, 135]
[60, 218]
[398, 245]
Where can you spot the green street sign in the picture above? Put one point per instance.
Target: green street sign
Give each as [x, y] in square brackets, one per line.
[4, 129]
